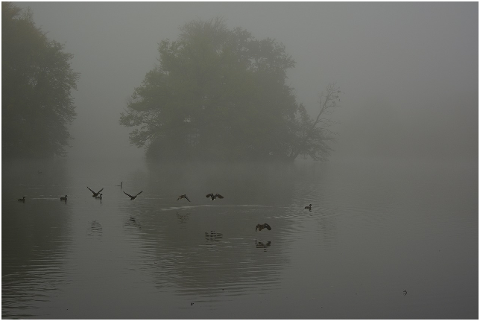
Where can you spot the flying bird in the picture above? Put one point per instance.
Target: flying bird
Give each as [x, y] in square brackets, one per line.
[309, 207]
[95, 194]
[99, 197]
[132, 197]
[262, 226]
[214, 196]
[63, 198]
[22, 199]
[183, 196]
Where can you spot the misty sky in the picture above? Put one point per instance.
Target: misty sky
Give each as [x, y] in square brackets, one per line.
[408, 71]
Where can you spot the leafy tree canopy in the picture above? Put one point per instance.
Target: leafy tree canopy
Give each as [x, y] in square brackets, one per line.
[219, 93]
[36, 88]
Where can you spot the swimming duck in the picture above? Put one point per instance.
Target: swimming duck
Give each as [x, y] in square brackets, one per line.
[262, 226]
[309, 207]
[213, 197]
[133, 197]
[22, 199]
[183, 196]
[95, 194]
[63, 198]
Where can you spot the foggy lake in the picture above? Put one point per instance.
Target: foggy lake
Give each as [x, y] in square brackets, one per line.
[384, 239]
[393, 227]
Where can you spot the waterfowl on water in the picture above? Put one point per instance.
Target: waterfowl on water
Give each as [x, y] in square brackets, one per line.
[262, 226]
[133, 197]
[309, 207]
[95, 194]
[22, 199]
[183, 196]
[214, 196]
[63, 198]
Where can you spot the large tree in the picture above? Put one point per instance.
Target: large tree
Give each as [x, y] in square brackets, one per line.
[37, 80]
[219, 93]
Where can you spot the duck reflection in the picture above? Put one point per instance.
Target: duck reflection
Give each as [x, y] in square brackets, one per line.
[213, 236]
[95, 229]
[182, 218]
[204, 247]
[262, 245]
[132, 221]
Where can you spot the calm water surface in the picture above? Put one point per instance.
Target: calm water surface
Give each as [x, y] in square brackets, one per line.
[376, 228]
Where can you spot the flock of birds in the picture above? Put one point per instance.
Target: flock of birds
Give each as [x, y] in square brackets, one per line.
[98, 195]
[215, 196]
[259, 227]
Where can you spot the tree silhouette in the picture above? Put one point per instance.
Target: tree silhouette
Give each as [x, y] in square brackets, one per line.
[219, 93]
[36, 88]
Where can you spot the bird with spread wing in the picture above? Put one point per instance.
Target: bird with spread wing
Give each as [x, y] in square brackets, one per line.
[132, 197]
[183, 196]
[214, 196]
[95, 194]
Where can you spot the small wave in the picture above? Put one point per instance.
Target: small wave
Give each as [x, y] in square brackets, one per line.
[45, 198]
[206, 205]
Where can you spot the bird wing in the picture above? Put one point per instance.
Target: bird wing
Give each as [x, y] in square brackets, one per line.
[91, 190]
[187, 197]
[267, 226]
[100, 190]
[139, 193]
[209, 195]
[127, 194]
[218, 195]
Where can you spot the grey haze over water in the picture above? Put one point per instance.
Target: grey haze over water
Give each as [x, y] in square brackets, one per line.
[393, 229]
[408, 71]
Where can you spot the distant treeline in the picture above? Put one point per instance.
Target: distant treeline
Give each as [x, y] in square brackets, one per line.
[216, 93]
